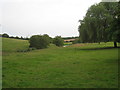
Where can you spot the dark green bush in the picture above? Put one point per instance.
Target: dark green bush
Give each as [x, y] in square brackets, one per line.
[5, 35]
[39, 41]
[58, 41]
[76, 41]
[26, 50]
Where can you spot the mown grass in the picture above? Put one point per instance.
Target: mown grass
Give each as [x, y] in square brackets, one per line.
[64, 67]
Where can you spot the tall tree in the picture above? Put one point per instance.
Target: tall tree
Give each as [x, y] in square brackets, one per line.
[114, 28]
[97, 26]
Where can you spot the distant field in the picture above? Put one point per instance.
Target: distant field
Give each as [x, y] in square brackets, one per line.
[75, 66]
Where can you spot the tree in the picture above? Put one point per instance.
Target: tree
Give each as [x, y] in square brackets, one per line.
[114, 28]
[25, 38]
[11, 37]
[39, 41]
[83, 32]
[48, 38]
[97, 26]
[76, 41]
[5, 35]
[58, 41]
[17, 37]
[92, 24]
[0, 35]
[21, 38]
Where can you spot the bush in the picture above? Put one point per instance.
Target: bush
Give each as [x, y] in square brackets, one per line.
[26, 50]
[16, 37]
[48, 39]
[39, 41]
[5, 35]
[58, 41]
[76, 41]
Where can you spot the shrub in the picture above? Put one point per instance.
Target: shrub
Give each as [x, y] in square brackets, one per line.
[26, 50]
[5, 35]
[58, 41]
[47, 38]
[39, 41]
[16, 37]
[76, 41]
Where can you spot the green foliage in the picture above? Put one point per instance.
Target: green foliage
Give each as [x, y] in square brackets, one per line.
[115, 27]
[100, 23]
[17, 37]
[48, 39]
[13, 45]
[76, 41]
[26, 38]
[58, 41]
[26, 50]
[39, 41]
[5, 35]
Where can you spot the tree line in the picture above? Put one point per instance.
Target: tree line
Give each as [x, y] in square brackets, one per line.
[43, 41]
[76, 37]
[16, 37]
[101, 23]
[39, 41]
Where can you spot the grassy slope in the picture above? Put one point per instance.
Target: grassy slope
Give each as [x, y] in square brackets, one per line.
[59, 67]
[12, 45]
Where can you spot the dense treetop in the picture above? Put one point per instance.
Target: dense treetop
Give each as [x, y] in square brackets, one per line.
[100, 23]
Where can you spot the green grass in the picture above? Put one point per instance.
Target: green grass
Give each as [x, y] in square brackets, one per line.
[12, 45]
[65, 67]
[67, 43]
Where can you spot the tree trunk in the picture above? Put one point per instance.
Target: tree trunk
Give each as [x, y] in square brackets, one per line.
[115, 44]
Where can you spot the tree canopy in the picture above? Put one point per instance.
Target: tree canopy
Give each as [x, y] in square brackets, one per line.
[39, 41]
[100, 23]
[5, 35]
[58, 41]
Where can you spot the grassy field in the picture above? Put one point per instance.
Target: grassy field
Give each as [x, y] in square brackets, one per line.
[75, 66]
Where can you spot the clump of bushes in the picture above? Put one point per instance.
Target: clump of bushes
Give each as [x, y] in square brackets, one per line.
[58, 41]
[76, 41]
[26, 50]
[39, 41]
[5, 35]
[42, 41]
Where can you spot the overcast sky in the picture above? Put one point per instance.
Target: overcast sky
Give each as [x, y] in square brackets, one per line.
[52, 17]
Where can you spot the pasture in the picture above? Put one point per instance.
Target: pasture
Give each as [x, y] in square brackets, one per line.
[74, 66]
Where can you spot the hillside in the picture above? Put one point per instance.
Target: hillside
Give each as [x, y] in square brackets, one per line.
[64, 67]
[12, 45]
